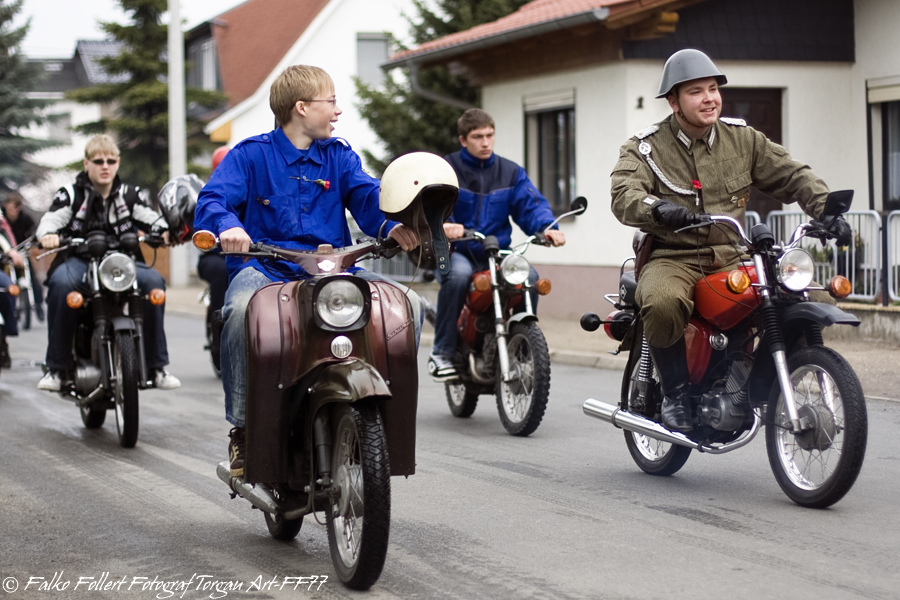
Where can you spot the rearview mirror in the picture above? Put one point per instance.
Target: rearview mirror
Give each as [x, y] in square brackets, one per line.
[837, 203]
[579, 205]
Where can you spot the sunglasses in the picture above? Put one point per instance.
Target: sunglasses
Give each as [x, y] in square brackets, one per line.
[108, 161]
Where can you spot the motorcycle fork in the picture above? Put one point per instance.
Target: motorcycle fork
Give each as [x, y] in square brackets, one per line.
[136, 312]
[777, 345]
[499, 321]
[100, 312]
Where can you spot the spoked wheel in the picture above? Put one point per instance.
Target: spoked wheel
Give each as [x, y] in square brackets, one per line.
[462, 402]
[283, 529]
[651, 455]
[93, 418]
[125, 388]
[359, 518]
[522, 400]
[816, 467]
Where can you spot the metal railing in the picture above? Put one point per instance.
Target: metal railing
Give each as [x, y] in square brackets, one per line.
[893, 254]
[861, 262]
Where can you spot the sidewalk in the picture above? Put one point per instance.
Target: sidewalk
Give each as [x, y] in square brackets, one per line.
[875, 362]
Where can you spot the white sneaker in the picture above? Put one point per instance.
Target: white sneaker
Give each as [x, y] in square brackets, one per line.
[163, 380]
[50, 382]
[441, 368]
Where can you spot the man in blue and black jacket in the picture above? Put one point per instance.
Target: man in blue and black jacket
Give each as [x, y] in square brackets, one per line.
[491, 190]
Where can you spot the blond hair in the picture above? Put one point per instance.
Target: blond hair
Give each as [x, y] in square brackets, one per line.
[100, 144]
[298, 82]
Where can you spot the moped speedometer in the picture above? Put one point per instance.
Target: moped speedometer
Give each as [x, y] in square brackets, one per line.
[340, 303]
[117, 272]
[515, 269]
[795, 269]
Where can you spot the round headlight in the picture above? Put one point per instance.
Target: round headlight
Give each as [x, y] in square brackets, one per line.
[117, 272]
[340, 303]
[515, 269]
[795, 269]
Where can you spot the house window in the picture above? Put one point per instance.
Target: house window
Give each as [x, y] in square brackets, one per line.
[890, 118]
[550, 155]
[371, 53]
[204, 67]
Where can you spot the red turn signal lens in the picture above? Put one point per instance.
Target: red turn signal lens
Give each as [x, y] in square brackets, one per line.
[157, 296]
[543, 286]
[482, 282]
[738, 281]
[74, 300]
[840, 286]
[204, 240]
[13, 289]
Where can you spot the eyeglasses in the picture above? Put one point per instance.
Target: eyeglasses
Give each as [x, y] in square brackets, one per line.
[332, 100]
[109, 161]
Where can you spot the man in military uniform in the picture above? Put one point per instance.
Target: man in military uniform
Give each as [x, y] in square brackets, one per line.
[695, 162]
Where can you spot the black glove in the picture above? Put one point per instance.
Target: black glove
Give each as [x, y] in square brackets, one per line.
[838, 227]
[670, 215]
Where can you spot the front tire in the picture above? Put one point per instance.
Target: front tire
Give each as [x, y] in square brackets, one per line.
[522, 400]
[462, 402]
[359, 519]
[817, 467]
[653, 456]
[125, 388]
[25, 309]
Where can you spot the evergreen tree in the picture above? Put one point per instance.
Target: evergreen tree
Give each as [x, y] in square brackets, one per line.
[140, 122]
[405, 121]
[17, 112]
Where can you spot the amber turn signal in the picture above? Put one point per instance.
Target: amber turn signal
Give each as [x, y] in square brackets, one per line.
[543, 286]
[738, 281]
[13, 289]
[204, 240]
[840, 286]
[482, 282]
[74, 300]
[157, 296]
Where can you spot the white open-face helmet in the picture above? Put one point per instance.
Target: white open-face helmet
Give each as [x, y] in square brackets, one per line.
[419, 189]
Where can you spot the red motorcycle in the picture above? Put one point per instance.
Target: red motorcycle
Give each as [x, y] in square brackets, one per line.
[756, 356]
[502, 350]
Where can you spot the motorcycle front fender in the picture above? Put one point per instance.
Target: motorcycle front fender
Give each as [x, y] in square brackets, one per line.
[122, 324]
[823, 314]
[522, 317]
[347, 381]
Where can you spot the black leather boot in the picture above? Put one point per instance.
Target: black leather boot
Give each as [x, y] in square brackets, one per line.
[671, 363]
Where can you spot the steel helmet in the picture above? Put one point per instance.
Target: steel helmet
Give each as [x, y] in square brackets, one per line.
[177, 201]
[217, 156]
[686, 65]
[419, 189]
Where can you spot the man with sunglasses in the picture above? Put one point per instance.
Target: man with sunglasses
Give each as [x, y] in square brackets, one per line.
[98, 200]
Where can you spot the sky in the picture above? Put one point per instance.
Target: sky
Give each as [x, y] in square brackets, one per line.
[57, 24]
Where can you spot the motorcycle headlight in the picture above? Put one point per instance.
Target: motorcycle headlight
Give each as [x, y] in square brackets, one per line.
[117, 272]
[340, 302]
[515, 269]
[795, 269]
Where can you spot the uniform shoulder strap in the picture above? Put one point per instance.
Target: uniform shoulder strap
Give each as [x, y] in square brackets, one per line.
[733, 121]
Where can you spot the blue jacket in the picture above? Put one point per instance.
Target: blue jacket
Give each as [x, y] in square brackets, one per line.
[289, 197]
[490, 192]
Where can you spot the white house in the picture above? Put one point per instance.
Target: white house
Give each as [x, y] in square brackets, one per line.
[568, 81]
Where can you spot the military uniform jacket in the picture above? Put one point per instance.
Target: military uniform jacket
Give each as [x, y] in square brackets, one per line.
[709, 175]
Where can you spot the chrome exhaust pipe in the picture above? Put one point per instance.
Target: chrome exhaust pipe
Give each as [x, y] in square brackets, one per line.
[637, 423]
[257, 495]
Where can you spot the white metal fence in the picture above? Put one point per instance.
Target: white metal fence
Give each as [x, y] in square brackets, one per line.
[861, 262]
[893, 254]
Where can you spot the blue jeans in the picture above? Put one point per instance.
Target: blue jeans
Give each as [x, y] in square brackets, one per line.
[452, 298]
[61, 320]
[234, 335]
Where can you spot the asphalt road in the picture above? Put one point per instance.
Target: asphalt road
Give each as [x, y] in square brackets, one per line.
[563, 514]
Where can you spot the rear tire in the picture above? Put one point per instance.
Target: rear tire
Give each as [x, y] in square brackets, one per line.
[93, 418]
[359, 522]
[818, 467]
[653, 456]
[281, 528]
[125, 388]
[461, 401]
